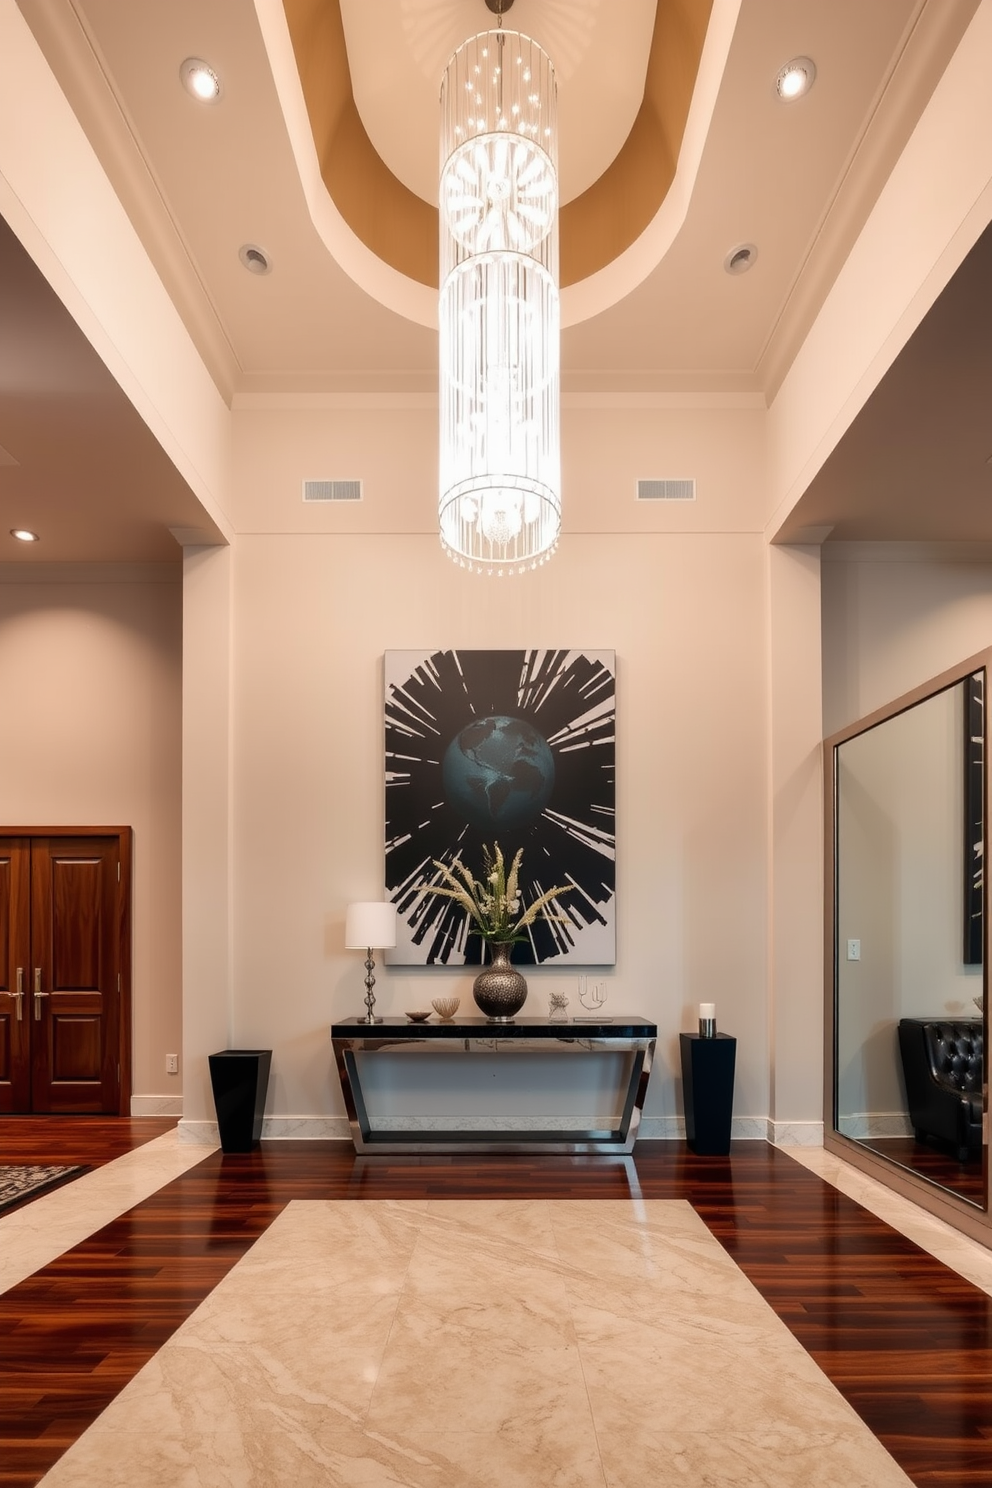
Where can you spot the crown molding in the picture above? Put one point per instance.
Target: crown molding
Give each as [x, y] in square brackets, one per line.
[930, 39]
[72, 53]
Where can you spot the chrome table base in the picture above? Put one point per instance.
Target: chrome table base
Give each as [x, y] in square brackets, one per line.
[633, 1037]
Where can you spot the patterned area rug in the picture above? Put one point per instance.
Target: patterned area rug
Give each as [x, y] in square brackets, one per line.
[20, 1180]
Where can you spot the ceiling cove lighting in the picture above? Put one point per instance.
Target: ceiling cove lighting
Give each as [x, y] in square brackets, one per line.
[200, 80]
[795, 78]
[499, 317]
[24, 534]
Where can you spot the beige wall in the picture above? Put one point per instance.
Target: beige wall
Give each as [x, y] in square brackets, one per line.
[895, 615]
[90, 675]
[683, 605]
[795, 814]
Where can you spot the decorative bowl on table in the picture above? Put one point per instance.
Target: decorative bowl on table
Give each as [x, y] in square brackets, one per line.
[420, 1016]
[446, 1007]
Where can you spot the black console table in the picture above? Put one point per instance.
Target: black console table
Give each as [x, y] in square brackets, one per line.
[634, 1037]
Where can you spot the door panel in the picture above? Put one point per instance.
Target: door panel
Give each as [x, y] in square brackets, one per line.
[75, 944]
[77, 1049]
[76, 913]
[15, 963]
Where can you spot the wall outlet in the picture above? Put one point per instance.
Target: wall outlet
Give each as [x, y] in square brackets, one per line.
[172, 1064]
[854, 950]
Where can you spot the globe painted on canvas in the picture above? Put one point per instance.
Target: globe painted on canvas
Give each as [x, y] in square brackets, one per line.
[498, 774]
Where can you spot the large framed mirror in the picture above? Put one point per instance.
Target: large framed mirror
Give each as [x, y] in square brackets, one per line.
[907, 931]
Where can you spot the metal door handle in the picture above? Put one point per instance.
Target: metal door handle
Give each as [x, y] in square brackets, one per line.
[38, 994]
[19, 994]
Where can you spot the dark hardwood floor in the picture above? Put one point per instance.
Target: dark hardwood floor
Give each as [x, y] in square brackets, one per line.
[908, 1342]
[92, 1140]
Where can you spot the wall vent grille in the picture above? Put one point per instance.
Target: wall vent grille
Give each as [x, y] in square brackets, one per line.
[332, 490]
[666, 490]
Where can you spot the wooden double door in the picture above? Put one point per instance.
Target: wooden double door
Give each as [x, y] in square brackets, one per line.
[65, 971]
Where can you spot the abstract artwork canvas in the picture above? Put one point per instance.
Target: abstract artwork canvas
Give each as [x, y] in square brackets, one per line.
[510, 747]
[974, 819]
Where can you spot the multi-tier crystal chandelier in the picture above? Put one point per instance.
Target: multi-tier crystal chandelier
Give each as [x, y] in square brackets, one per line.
[500, 486]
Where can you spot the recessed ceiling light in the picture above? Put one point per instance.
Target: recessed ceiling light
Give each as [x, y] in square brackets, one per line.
[795, 79]
[255, 259]
[740, 259]
[200, 80]
[24, 534]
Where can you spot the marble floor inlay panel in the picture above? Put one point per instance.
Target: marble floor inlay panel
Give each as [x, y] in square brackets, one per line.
[481, 1344]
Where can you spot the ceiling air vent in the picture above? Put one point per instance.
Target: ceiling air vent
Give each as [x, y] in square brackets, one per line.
[666, 490]
[332, 490]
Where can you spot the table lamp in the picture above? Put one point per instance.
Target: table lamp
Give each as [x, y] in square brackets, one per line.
[370, 926]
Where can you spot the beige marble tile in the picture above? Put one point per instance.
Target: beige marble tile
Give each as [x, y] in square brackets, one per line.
[319, 1247]
[545, 1457]
[640, 1375]
[757, 1458]
[640, 1262]
[489, 1345]
[466, 1269]
[510, 1225]
[339, 1340]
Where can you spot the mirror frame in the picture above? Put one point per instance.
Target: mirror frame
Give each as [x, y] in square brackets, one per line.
[963, 1214]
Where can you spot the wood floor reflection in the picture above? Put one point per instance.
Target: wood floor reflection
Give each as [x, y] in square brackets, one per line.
[936, 1161]
[906, 1341]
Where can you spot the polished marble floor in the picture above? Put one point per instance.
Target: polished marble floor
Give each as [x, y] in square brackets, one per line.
[658, 1320]
[498, 1343]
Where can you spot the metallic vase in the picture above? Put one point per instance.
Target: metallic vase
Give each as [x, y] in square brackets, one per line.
[500, 991]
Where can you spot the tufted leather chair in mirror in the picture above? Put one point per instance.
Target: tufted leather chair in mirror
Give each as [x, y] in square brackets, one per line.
[942, 1060]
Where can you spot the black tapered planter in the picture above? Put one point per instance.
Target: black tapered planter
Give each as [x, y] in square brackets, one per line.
[708, 1091]
[240, 1078]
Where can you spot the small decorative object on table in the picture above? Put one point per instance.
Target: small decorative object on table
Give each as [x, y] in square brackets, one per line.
[446, 1007]
[492, 903]
[707, 1020]
[592, 997]
[419, 1017]
[559, 1002]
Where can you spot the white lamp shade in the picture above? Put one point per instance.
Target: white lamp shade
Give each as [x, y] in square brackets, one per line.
[372, 924]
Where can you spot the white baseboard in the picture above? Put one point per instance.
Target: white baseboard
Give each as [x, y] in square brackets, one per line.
[861, 1125]
[156, 1105]
[275, 1128]
[652, 1129]
[661, 1129]
[795, 1133]
[742, 1129]
[204, 1133]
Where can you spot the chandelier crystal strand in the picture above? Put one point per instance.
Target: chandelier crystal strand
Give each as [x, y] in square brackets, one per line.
[500, 467]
